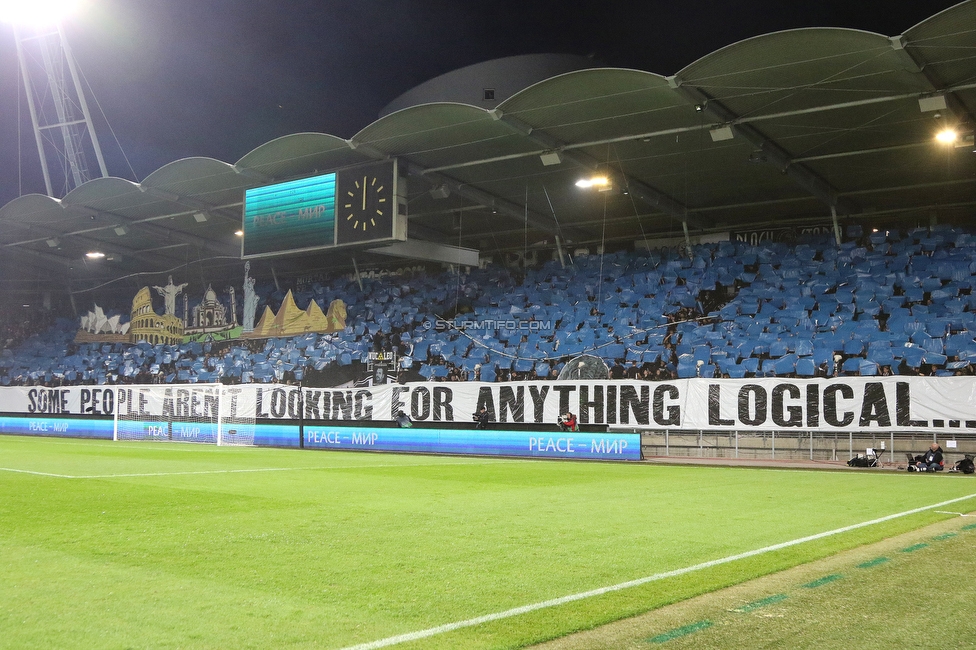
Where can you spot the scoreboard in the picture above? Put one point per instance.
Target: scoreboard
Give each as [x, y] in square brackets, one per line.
[355, 205]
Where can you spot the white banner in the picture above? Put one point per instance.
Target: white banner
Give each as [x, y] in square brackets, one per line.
[837, 404]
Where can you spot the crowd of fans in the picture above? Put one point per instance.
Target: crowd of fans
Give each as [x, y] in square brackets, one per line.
[889, 303]
[19, 324]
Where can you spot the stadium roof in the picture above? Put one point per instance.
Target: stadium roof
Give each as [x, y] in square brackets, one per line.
[778, 129]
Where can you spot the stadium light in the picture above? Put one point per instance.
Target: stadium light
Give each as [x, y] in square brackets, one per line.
[239, 233]
[94, 255]
[37, 13]
[550, 158]
[721, 133]
[595, 181]
[946, 136]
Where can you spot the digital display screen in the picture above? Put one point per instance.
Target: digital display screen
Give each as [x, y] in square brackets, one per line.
[161, 429]
[541, 444]
[276, 435]
[58, 427]
[291, 216]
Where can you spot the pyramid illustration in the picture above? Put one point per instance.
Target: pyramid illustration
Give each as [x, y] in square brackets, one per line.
[316, 320]
[292, 321]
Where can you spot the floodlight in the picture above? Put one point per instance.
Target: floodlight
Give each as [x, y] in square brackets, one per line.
[946, 136]
[94, 255]
[550, 158]
[440, 192]
[239, 233]
[721, 133]
[595, 181]
[37, 13]
[933, 103]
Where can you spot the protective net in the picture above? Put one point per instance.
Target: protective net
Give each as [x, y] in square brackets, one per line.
[202, 413]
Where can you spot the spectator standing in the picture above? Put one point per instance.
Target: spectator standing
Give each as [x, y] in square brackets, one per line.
[483, 418]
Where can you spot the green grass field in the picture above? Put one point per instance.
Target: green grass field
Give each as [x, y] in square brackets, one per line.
[137, 545]
[911, 590]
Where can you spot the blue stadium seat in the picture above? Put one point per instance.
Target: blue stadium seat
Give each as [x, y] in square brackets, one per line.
[852, 365]
[737, 371]
[913, 356]
[867, 368]
[785, 365]
[805, 367]
[523, 365]
[751, 364]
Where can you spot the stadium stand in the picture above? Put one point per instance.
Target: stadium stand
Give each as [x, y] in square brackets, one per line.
[884, 304]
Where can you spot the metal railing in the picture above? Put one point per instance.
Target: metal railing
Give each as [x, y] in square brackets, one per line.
[892, 448]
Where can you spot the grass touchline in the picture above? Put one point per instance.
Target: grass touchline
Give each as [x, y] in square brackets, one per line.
[524, 609]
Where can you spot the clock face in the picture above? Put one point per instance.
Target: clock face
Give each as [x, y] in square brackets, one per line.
[364, 205]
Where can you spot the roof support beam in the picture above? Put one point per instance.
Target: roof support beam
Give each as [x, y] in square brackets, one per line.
[906, 52]
[47, 257]
[125, 251]
[887, 99]
[114, 220]
[861, 152]
[499, 204]
[186, 201]
[639, 189]
[496, 203]
[253, 174]
[203, 243]
[774, 153]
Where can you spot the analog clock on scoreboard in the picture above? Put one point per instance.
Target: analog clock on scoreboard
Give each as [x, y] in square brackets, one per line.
[365, 203]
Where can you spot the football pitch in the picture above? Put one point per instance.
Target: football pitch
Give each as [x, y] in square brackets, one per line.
[130, 545]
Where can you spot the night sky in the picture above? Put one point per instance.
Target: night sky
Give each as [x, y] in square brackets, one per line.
[217, 78]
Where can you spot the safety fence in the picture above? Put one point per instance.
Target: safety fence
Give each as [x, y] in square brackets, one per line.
[891, 447]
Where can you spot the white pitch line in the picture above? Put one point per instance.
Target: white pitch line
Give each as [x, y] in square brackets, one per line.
[27, 471]
[235, 471]
[524, 609]
[946, 512]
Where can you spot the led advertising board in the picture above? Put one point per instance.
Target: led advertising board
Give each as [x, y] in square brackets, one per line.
[58, 427]
[539, 444]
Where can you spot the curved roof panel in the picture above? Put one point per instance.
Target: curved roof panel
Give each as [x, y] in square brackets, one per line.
[101, 189]
[298, 153]
[946, 44]
[116, 195]
[505, 77]
[442, 134]
[801, 68]
[600, 103]
[29, 208]
[191, 176]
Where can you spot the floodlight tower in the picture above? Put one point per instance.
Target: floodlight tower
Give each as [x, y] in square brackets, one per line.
[63, 128]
